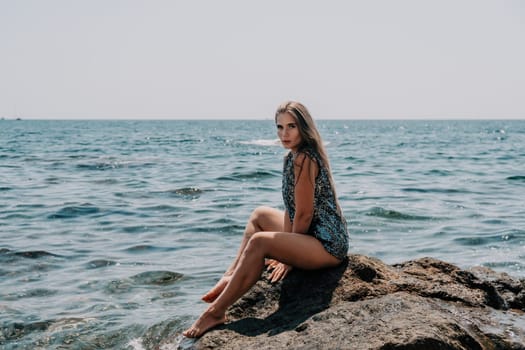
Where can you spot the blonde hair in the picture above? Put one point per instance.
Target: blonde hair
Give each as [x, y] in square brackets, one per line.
[310, 137]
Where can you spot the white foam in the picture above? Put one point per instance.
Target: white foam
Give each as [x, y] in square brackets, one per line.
[136, 344]
[274, 142]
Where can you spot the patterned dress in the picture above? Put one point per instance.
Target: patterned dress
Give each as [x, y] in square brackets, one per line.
[328, 225]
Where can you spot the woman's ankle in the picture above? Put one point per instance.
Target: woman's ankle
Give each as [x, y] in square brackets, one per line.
[215, 312]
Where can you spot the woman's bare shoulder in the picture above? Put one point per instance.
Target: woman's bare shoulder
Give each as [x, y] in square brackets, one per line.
[303, 158]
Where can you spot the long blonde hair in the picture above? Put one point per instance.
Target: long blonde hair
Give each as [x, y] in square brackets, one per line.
[310, 137]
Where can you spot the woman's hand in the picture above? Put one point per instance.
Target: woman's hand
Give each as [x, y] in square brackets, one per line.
[279, 270]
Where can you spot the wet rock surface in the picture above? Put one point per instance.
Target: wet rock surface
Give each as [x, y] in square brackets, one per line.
[366, 304]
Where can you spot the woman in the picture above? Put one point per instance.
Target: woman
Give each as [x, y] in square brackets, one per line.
[310, 234]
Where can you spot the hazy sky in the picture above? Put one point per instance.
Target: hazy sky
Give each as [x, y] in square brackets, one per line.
[240, 59]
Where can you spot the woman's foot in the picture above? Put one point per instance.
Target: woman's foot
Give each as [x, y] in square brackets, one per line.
[209, 319]
[217, 290]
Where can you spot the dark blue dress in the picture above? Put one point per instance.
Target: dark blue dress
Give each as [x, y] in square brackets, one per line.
[328, 225]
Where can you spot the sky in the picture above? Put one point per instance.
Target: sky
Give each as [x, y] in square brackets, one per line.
[369, 59]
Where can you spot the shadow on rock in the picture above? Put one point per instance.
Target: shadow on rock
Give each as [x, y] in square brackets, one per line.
[301, 295]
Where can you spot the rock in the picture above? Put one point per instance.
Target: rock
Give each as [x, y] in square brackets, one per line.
[366, 304]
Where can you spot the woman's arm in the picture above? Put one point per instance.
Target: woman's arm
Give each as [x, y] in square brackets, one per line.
[305, 170]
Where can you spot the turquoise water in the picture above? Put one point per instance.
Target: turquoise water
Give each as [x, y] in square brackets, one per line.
[110, 231]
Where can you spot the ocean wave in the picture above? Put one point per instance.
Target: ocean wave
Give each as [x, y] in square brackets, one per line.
[156, 277]
[30, 206]
[161, 207]
[164, 335]
[52, 180]
[13, 216]
[517, 178]
[354, 159]
[514, 264]
[472, 241]
[127, 285]
[135, 229]
[35, 254]
[185, 192]
[114, 164]
[184, 140]
[488, 239]
[98, 263]
[434, 190]
[17, 330]
[396, 215]
[105, 181]
[273, 142]
[74, 211]
[65, 330]
[29, 254]
[147, 248]
[98, 166]
[439, 172]
[133, 194]
[258, 174]
[30, 293]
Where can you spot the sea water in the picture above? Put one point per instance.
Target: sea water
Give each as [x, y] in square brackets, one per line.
[110, 231]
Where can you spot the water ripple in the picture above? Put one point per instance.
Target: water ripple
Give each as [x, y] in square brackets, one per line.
[30, 254]
[252, 175]
[31, 293]
[146, 249]
[98, 263]
[434, 190]
[517, 178]
[157, 277]
[395, 215]
[74, 211]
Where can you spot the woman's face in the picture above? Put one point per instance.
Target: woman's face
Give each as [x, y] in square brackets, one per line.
[288, 131]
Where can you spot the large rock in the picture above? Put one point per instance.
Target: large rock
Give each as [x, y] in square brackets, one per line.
[365, 304]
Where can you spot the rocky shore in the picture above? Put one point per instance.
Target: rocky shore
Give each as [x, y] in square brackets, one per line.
[365, 304]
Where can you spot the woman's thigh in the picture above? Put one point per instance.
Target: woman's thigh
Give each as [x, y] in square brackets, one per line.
[295, 249]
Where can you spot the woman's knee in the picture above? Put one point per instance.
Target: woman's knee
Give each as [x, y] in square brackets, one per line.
[258, 216]
[257, 243]
[259, 212]
[267, 219]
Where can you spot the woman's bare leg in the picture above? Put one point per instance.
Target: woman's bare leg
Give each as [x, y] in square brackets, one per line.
[299, 250]
[261, 219]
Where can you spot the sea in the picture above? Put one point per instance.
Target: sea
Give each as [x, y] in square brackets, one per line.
[111, 231]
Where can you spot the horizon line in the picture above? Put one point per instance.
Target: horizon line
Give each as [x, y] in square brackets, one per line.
[259, 118]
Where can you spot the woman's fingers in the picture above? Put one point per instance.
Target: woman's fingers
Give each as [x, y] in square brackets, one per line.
[276, 274]
[279, 272]
[271, 264]
[285, 272]
[273, 274]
